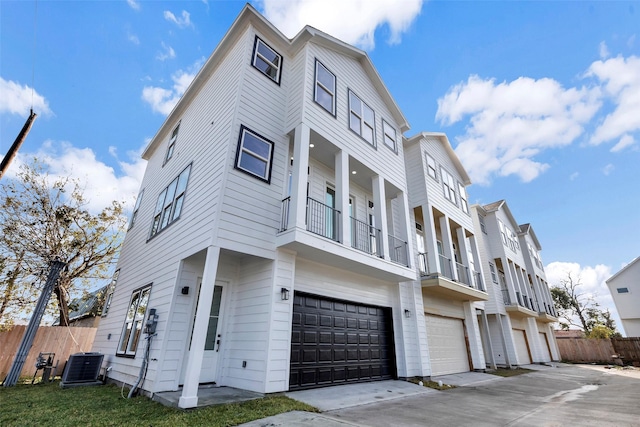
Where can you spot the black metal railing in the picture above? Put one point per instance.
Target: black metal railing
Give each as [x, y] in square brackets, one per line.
[284, 215]
[446, 268]
[365, 237]
[477, 281]
[463, 274]
[323, 219]
[398, 251]
[506, 298]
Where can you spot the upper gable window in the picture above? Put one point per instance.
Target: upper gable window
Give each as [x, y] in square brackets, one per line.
[170, 201]
[172, 144]
[136, 208]
[463, 198]
[483, 227]
[254, 154]
[623, 290]
[389, 136]
[267, 60]
[325, 90]
[431, 167]
[449, 186]
[361, 118]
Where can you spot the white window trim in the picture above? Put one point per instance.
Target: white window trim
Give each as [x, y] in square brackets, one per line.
[171, 148]
[241, 150]
[430, 160]
[136, 322]
[390, 137]
[319, 84]
[464, 204]
[448, 185]
[257, 54]
[361, 117]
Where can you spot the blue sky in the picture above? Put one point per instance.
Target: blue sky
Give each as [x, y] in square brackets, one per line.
[541, 100]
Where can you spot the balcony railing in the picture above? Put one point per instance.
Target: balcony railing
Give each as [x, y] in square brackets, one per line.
[506, 298]
[323, 219]
[477, 281]
[445, 266]
[467, 277]
[284, 215]
[365, 237]
[463, 274]
[398, 251]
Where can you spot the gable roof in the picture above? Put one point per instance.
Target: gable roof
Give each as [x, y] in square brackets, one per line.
[635, 260]
[249, 16]
[528, 229]
[501, 205]
[442, 137]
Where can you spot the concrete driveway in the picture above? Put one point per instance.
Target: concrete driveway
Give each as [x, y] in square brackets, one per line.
[564, 395]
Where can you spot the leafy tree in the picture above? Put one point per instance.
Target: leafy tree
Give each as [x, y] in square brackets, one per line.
[580, 309]
[43, 218]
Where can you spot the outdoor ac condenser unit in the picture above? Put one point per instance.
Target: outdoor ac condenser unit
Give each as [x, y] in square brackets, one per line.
[82, 368]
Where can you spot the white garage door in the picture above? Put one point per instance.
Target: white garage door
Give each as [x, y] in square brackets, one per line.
[546, 354]
[447, 346]
[522, 350]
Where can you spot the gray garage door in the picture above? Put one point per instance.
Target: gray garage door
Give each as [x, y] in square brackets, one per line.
[336, 342]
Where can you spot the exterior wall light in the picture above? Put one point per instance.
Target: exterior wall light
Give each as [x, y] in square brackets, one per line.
[284, 294]
[407, 313]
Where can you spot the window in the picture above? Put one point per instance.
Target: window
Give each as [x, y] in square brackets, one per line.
[389, 136]
[110, 289]
[361, 118]
[482, 226]
[494, 277]
[325, 90]
[623, 290]
[254, 154]
[449, 186]
[431, 167]
[172, 144]
[267, 60]
[133, 323]
[170, 201]
[136, 208]
[463, 198]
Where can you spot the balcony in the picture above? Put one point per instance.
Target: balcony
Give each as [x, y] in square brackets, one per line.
[548, 315]
[522, 308]
[321, 241]
[468, 287]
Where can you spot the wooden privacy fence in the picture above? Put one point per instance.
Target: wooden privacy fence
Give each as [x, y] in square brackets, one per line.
[588, 350]
[63, 341]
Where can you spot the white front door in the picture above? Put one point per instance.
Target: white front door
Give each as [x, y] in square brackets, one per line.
[214, 337]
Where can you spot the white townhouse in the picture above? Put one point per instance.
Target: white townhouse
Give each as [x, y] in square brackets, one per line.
[271, 245]
[624, 287]
[447, 256]
[520, 308]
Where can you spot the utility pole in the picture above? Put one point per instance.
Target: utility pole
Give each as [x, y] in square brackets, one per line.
[4, 165]
[30, 333]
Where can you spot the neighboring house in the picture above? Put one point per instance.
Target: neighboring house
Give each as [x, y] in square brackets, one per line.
[625, 290]
[520, 307]
[86, 310]
[448, 260]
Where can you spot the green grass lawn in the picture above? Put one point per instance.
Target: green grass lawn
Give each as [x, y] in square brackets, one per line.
[49, 405]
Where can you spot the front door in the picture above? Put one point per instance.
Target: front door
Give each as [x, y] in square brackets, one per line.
[214, 337]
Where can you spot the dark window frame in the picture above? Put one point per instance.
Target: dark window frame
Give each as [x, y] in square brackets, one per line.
[162, 219]
[136, 321]
[240, 149]
[323, 87]
[256, 53]
[385, 135]
[360, 115]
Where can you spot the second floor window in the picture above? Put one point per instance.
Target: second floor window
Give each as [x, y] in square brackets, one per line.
[325, 90]
[431, 167]
[389, 136]
[463, 198]
[361, 118]
[254, 154]
[172, 144]
[267, 60]
[449, 186]
[170, 201]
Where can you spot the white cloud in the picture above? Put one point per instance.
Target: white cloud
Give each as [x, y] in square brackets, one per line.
[592, 279]
[574, 176]
[608, 169]
[182, 22]
[19, 99]
[133, 4]
[336, 17]
[620, 79]
[624, 142]
[133, 38]
[167, 53]
[163, 100]
[102, 183]
[512, 122]
[604, 51]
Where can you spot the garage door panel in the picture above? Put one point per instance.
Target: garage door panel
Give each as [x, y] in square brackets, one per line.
[447, 345]
[341, 342]
[522, 351]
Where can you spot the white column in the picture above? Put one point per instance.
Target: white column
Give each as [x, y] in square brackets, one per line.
[477, 263]
[487, 340]
[430, 244]
[464, 254]
[447, 244]
[533, 334]
[507, 341]
[473, 334]
[298, 206]
[342, 196]
[380, 212]
[189, 397]
[405, 221]
[511, 284]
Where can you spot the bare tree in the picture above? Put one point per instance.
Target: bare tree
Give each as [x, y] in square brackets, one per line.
[578, 308]
[42, 219]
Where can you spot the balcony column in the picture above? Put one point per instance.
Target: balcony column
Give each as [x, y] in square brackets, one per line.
[512, 286]
[464, 254]
[298, 206]
[406, 226]
[430, 243]
[342, 196]
[380, 212]
[447, 245]
[477, 264]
